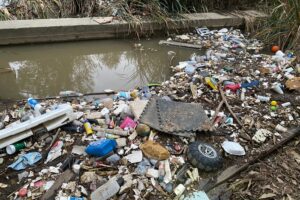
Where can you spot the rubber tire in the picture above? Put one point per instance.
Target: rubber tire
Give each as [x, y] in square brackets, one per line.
[202, 161]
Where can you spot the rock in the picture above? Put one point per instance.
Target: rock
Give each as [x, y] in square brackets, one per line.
[143, 130]
[154, 150]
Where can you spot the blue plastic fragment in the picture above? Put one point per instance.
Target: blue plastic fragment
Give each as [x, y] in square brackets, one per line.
[251, 84]
[26, 160]
[200, 195]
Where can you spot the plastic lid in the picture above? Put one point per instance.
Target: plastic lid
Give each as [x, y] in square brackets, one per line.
[10, 149]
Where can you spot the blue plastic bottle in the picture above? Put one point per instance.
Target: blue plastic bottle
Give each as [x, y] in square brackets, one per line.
[75, 198]
[32, 102]
[101, 147]
[124, 95]
[251, 84]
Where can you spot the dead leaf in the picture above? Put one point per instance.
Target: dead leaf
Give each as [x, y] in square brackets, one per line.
[269, 187]
[296, 156]
[264, 70]
[285, 166]
[267, 195]
[249, 184]
[293, 84]
[280, 180]
[253, 173]
[289, 197]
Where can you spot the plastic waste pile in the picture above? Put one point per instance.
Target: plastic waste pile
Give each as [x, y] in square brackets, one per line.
[262, 89]
[100, 149]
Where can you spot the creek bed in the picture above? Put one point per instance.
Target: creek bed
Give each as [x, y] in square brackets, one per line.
[88, 66]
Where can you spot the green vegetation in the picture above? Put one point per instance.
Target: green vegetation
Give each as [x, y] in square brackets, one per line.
[283, 26]
[127, 9]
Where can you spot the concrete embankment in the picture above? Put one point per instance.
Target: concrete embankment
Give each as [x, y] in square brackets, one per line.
[72, 29]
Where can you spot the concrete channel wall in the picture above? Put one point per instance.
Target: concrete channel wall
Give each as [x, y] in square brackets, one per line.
[72, 29]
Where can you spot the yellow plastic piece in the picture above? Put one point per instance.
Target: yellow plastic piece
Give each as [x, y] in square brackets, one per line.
[211, 84]
[274, 103]
[88, 128]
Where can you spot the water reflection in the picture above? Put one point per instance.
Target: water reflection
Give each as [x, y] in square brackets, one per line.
[44, 70]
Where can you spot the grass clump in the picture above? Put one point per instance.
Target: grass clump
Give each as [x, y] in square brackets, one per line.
[283, 26]
[126, 9]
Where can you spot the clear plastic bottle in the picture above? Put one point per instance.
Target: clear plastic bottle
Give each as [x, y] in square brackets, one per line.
[107, 190]
[69, 93]
[33, 103]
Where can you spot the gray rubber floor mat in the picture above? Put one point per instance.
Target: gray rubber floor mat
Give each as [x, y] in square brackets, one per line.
[176, 118]
[150, 115]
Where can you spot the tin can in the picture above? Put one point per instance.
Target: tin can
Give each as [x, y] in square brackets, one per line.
[88, 128]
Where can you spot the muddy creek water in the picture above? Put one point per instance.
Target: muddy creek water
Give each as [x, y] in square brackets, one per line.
[88, 66]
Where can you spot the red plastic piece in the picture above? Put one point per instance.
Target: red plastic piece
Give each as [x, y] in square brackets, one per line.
[23, 192]
[232, 87]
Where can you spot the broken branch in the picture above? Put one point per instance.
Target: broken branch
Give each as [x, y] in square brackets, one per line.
[236, 171]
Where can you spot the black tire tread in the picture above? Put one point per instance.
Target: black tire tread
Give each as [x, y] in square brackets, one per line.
[197, 159]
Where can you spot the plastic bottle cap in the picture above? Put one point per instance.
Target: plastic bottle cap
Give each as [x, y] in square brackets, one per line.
[274, 103]
[273, 108]
[10, 149]
[22, 192]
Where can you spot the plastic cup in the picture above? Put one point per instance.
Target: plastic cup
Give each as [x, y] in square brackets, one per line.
[277, 89]
[13, 148]
[263, 98]
[76, 168]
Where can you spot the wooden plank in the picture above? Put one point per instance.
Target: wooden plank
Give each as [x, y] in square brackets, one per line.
[233, 171]
[65, 177]
[180, 44]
